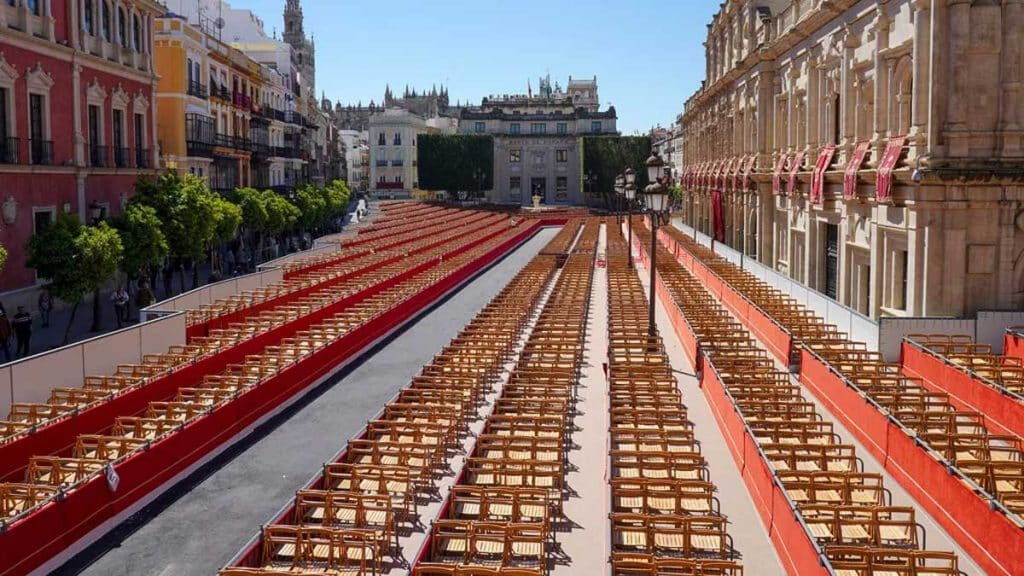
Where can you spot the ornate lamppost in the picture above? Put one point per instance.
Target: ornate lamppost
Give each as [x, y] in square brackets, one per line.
[656, 201]
[630, 194]
[620, 191]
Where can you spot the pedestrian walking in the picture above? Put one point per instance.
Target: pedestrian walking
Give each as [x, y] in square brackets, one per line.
[22, 324]
[145, 296]
[5, 336]
[168, 275]
[119, 298]
[45, 306]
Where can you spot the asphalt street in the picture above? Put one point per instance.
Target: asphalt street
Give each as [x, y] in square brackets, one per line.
[198, 526]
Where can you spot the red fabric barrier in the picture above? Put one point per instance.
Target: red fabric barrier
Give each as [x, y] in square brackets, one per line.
[1013, 345]
[992, 540]
[56, 526]
[1004, 414]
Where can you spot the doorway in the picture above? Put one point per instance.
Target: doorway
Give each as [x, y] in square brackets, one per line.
[832, 260]
[539, 187]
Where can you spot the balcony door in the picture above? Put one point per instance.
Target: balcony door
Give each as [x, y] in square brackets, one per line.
[831, 261]
[37, 130]
[539, 187]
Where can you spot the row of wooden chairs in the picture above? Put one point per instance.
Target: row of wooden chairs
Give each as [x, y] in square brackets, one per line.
[976, 359]
[841, 504]
[665, 515]
[92, 453]
[377, 483]
[501, 514]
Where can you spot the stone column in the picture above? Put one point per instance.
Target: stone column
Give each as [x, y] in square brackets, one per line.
[76, 114]
[813, 122]
[1013, 28]
[882, 75]
[958, 42]
[921, 61]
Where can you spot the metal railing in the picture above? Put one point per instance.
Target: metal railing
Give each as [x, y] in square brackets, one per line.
[121, 156]
[142, 158]
[41, 151]
[196, 89]
[99, 156]
[10, 150]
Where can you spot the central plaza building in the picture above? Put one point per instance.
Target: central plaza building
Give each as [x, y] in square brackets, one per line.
[537, 140]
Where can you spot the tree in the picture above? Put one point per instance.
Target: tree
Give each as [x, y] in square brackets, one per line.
[608, 156]
[227, 218]
[143, 239]
[449, 162]
[185, 208]
[3, 257]
[312, 205]
[76, 259]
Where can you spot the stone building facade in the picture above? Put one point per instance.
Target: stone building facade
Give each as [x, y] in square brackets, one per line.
[393, 134]
[537, 140]
[870, 149]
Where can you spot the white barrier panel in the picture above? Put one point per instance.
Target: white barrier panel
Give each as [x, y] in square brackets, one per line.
[992, 326]
[32, 379]
[892, 331]
[856, 325]
[6, 391]
[210, 293]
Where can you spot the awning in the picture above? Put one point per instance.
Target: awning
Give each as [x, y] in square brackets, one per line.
[777, 174]
[798, 162]
[852, 167]
[883, 184]
[818, 177]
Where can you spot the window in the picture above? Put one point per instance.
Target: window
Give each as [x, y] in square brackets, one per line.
[105, 21]
[121, 25]
[515, 188]
[561, 188]
[33, 6]
[595, 126]
[382, 179]
[899, 267]
[188, 69]
[41, 149]
[538, 128]
[398, 139]
[95, 136]
[513, 128]
[382, 140]
[515, 155]
[398, 179]
[137, 39]
[561, 156]
[562, 128]
[87, 22]
[479, 127]
[4, 129]
[41, 219]
[140, 131]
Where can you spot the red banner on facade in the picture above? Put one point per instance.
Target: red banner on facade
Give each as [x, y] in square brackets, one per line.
[883, 182]
[748, 169]
[794, 184]
[716, 212]
[736, 170]
[852, 167]
[777, 174]
[818, 177]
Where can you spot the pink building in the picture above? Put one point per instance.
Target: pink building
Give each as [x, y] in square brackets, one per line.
[77, 116]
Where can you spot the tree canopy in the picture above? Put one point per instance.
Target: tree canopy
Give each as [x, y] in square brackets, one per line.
[227, 217]
[185, 207]
[3, 257]
[608, 156]
[141, 235]
[449, 161]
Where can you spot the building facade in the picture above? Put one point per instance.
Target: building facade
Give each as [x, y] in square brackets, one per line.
[357, 155]
[537, 140]
[393, 135]
[871, 150]
[77, 115]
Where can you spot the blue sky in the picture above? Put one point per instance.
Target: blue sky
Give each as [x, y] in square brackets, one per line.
[647, 54]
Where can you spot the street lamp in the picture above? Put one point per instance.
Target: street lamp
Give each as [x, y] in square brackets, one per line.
[620, 191]
[630, 193]
[656, 200]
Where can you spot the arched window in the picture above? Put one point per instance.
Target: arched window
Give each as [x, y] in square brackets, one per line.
[903, 95]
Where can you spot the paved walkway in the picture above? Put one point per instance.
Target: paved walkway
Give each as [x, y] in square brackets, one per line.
[200, 525]
[749, 535]
[586, 544]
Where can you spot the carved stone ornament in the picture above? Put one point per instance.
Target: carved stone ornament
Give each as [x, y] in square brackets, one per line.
[10, 210]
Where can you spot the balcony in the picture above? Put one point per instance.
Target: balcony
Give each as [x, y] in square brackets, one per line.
[220, 92]
[10, 152]
[382, 163]
[142, 158]
[199, 148]
[398, 163]
[295, 118]
[41, 152]
[241, 101]
[98, 156]
[234, 142]
[196, 89]
[121, 156]
[260, 149]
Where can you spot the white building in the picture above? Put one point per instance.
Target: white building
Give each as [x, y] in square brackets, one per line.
[393, 135]
[357, 150]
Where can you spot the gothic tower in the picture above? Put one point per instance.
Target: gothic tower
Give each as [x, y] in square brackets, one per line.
[303, 50]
